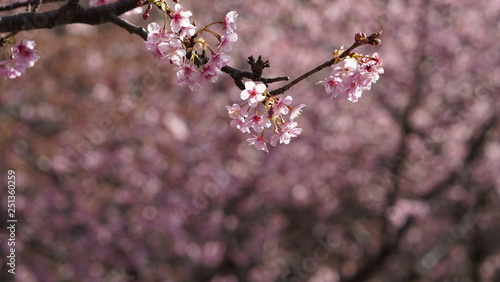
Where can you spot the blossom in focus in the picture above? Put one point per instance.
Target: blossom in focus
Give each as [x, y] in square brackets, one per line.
[193, 59]
[286, 131]
[187, 74]
[180, 18]
[296, 112]
[258, 122]
[226, 42]
[238, 116]
[173, 50]
[281, 106]
[258, 142]
[349, 78]
[254, 93]
[230, 22]
[248, 117]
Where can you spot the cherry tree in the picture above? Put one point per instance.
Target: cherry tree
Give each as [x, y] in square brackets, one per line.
[124, 126]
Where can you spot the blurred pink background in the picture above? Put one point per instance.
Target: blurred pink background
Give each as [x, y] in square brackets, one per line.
[122, 175]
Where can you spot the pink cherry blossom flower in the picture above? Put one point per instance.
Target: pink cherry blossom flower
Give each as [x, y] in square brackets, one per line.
[230, 22]
[333, 85]
[219, 60]
[241, 125]
[172, 50]
[23, 56]
[180, 18]
[11, 69]
[187, 74]
[281, 106]
[25, 53]
[239, 116]
[345, 68]
[187, 31]
[236, 112]
[157, 34]
[296, 111]
[226, 42]
[352, 76]
[258, 142]
[373, 68]
[210, 73]
[258, 122]
[286, 132]
[253, 93]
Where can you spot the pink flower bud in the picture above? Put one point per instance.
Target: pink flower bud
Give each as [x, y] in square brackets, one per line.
[360, 37]
[145, 16]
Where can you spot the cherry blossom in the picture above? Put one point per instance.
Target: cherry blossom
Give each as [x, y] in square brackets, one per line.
[332, 85]
[349, 78]
[286, 132]
[296, 112]
[180, 18]
[193, 59]
[226, 42]
[236, 112]
[187, 74]
[219, 60]
[23, 55]
[172, 50]
[275, 114]
[282, 105]
[209, 73]
[230, 22]
[258, 122]
[254, 93]
[258, 142]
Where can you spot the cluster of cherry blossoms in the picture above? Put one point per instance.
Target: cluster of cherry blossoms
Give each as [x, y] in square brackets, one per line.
[17, 58]
[351, 76]
[249, 117]
[194, 60]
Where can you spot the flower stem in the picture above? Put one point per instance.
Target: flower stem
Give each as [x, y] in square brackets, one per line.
[326, 64]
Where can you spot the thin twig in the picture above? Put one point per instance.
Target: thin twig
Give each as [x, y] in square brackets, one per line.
[313, 71]
[133, 29]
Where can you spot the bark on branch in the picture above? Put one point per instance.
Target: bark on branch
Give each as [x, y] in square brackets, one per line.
[71, 12]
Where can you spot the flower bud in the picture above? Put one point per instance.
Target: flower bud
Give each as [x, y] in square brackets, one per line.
[376, 42]
[374, 35]
[360, 38]
[145, 16]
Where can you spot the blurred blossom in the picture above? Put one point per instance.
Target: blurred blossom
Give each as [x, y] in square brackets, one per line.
[404, 209]
[18, 58]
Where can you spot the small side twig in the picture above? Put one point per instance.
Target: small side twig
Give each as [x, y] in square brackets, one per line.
[128, 26]
[238, 76]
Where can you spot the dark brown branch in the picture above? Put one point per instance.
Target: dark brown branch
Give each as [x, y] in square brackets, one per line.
[133, 29]
[69, 13]
[238, 76]
[13, 6]
[24, 4]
